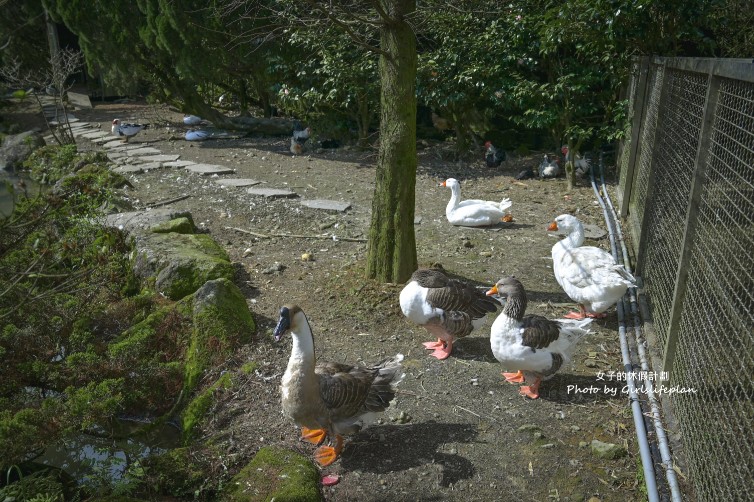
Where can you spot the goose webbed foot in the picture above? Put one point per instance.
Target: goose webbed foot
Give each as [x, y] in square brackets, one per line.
[532, 390]
[313, 436]
[517, 377]
[326, 455]
[441, 349]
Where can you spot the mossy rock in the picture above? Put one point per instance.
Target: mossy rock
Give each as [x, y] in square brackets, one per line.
[175, 473]
[181, 263]
[199, 406]
[181, 225]
[222, 322]
[275, 474]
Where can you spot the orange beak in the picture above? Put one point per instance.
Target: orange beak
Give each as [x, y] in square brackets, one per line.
[507, 218]
[492, 291]
[553, 227]
[443, 184]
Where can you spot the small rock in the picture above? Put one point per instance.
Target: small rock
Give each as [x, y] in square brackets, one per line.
[548, 446]
[608, 451]
[528, 428]
[590, 363]
[307, 257]
[276, 267]
[468, 244]
[247, 252]
[538, 435]
[575, 428]
[583, 444]
[485, 254]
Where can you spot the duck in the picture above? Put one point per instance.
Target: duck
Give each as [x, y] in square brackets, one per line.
[532, 347]
[191, 120]
[549, 168]
[125, 131]
[330, 400]
[447, 308]
[589, 275]
[472, 212]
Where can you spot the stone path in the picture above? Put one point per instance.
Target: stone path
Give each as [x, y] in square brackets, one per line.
[136, 159]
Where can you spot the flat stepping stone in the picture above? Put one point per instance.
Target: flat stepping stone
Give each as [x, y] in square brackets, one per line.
[129, 169]
[95, 134]
[77, 125]
[149, 166]
[207, 169]
[272, 193]
[71, 120]
[104, 139]
[79, 100]
[119, 146]
[237, 182]
[158, 158]
[148, 150]
[116, 155]
[326, 205]
[179, 163]
[80, 132]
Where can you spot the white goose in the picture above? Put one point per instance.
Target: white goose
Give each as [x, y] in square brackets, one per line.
[448, 308]
[531, 345]
[473, 212]
[329, 400]
[125, 131]
[589, 276]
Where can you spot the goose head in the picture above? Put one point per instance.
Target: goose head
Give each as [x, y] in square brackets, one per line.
[291, 316]
[566, 223]
[451, 183]
[506, 287]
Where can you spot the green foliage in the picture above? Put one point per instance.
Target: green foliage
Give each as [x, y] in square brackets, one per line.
[60, 305]
[50, 163]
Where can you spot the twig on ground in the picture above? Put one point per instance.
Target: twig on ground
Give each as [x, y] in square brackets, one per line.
[166, 202]
[298, 236]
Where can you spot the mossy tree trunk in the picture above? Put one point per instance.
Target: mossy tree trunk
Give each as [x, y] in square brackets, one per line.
[391, 255]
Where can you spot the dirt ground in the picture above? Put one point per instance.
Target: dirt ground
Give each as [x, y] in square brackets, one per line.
[457, 430]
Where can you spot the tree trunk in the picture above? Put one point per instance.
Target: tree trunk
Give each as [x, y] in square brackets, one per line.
[391, 255]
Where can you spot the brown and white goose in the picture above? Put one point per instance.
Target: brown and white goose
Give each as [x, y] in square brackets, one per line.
[329, 400]
[447, 308]
[531, 345]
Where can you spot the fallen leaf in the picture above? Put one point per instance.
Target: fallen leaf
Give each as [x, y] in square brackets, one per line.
[330, 480]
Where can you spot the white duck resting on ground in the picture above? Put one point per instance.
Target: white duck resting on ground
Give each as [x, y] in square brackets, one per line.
[329, 400]
[590, 276]
[125, 131]
[473, 212]
[448, 308]
[532, 346]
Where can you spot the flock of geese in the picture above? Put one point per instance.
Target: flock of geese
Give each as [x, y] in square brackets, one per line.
[331, 400]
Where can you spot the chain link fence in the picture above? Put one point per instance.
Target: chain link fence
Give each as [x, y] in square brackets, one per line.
[686, 188]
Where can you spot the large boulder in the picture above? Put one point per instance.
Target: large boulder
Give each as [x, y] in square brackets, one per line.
[221, 323]
[17, 147]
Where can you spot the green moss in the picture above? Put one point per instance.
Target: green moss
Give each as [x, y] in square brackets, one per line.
[275, 474]
[222, 322]
[197, 408]
[181, 225]
[193, 260]
[249, 368]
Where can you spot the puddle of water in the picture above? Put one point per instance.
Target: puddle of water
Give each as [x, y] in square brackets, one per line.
[6, 197]
[87, 457]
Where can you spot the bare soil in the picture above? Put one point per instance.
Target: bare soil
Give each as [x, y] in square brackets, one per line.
[457, 430]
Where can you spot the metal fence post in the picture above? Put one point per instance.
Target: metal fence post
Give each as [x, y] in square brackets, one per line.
[692, 213]
[639, 111]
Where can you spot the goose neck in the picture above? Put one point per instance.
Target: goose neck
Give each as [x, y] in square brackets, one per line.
[575, 238]
[515, 306]
[302, 351]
